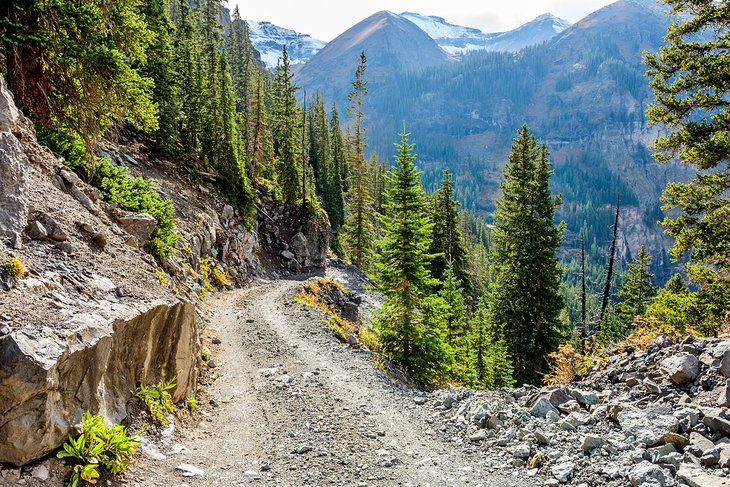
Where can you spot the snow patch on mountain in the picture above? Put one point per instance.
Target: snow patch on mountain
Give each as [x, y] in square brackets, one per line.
[270, 39]
[459, 40]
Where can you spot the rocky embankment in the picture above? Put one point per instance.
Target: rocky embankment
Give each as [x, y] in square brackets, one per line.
[647, 418]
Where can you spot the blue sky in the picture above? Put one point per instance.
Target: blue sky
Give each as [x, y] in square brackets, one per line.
[326, 19]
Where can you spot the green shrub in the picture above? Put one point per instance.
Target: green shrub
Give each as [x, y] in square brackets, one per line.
[684, 311]
[158, 399]
[98, 445]
[14, 267]
[137, 194]
[66, 144]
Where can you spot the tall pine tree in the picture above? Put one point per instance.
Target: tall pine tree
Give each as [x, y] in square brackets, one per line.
[525, 300]
[410, 334]
[287, 132]
[446, 238]
[359, 233]
[636, 291]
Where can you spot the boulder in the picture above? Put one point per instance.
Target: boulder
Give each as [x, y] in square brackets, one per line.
[591, 442]
[317, 232]
[724, 367]
[648, 426]
[9, 114]
[541, 407]
[53, 229]
[646, 474]
[563, 472]
[681, 368]
[299, 247]
[139, 225]
[696, 477]
[48, 380]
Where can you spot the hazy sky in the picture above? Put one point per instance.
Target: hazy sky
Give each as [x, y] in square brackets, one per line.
[326, 19]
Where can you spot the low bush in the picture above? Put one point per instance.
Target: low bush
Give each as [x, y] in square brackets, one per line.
[138, 195]
[14, 267]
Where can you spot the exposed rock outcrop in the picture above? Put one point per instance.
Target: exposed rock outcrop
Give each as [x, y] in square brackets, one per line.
[13, 168]
[49, 378]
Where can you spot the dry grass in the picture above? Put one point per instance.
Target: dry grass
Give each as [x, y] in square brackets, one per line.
[314, 295]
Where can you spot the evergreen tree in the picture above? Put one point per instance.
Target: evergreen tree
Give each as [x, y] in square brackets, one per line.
[636, 291]
[334, 197]
[76, 64]
[287, 131]
[160, 68]
[446, 239]
[409, 326]
[489, 353]
[260, 146]
[689, 78]
[454, 317]
[525, 300]
[359, 233]
[188, 67]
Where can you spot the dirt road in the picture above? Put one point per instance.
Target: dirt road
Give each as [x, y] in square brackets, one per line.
[293, 407]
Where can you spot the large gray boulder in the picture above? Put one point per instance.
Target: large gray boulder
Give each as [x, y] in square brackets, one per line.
[648, 427]
[646, 474]
[140, 225]
[681, 368]
[317, 232]
[13, 181]
[9, 114]
[49, 379]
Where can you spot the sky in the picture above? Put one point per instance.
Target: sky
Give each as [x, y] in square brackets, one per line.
[326, 19]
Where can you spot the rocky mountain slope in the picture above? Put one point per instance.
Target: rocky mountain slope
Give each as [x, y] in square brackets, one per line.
[269, 40]
[459, 40]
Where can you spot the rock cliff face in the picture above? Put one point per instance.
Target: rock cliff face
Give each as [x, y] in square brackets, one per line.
[13, 164]
[49, 379]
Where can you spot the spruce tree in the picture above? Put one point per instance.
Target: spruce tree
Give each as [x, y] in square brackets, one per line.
[489, 354]
[446, 239]
[525, 300]
[636, 291]
[188, 66]
[689, 78]
[409, 330]
[454, 317]
[287, 131]
[359, 233]
[160, 67]
[334, 194]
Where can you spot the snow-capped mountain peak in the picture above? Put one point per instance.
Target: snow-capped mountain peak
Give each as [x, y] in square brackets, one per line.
[270, 39]
[458, 40]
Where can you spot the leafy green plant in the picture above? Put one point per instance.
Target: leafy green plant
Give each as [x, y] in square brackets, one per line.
[98, 445]
[192, 404]
[137, 194]
[158, 399]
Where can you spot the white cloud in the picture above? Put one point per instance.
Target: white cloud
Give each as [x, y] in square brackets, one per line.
[326, 19]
